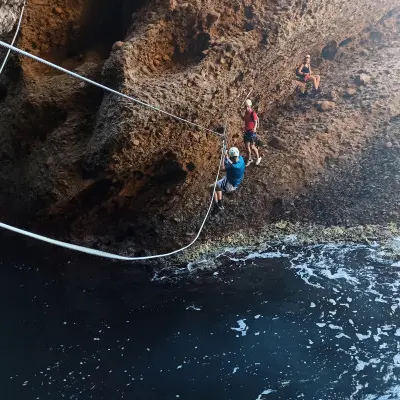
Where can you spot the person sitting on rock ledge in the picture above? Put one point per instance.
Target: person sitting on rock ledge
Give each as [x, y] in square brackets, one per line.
[250, 133]
[234, 165]
[305, 74]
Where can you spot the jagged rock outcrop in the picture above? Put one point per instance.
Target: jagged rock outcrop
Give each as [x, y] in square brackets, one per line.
[9, 14]
[97, 164]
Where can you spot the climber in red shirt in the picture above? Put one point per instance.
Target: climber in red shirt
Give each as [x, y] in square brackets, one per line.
[250, 134]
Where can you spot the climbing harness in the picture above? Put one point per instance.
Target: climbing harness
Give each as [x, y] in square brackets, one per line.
[14, 38]
[106, 88]
[99, 253]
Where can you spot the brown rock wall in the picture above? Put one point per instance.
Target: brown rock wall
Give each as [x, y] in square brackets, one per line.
[250, 46]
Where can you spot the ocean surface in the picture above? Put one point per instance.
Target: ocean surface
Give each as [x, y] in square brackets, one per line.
[279, 322]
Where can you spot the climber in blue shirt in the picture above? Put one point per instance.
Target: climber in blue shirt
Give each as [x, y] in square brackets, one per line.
[235, 166]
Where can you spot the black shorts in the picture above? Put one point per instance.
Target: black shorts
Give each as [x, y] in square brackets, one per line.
[250, 137]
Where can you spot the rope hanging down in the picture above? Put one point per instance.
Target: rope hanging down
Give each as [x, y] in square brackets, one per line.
[75, 75]
[14, 38]
[116, 256]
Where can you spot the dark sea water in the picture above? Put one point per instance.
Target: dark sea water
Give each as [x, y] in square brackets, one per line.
[278, 322]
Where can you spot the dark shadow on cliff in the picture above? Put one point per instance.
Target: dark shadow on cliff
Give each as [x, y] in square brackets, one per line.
[364, 191]
[103, 23]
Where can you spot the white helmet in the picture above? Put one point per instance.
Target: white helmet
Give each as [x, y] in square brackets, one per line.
[248, 102]
[233, 152]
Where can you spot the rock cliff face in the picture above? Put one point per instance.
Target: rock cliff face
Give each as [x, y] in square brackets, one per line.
[93, 164]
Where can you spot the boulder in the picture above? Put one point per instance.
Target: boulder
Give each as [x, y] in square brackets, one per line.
[362, 79]
[333, 95]
[323, 137]
[350, 92]
[277, 143]
[330, 50]
[117, 45]
[212, 18]
[326, 106]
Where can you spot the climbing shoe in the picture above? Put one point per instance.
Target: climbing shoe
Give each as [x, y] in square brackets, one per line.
[258, 161]
[220, 205]
[249, 161]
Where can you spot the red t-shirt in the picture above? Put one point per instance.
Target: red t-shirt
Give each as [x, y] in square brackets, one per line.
[249, 120]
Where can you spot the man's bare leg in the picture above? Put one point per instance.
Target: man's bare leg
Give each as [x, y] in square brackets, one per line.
[248, 150]
[254, 148]
[217, 196]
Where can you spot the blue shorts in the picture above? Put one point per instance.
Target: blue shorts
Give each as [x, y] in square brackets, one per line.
[249, 137]
[224, 186]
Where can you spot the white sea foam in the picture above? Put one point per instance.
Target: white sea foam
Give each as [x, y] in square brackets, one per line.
[396, 360]
[361, 365]
[259, 255]
[341, 273]
[243, 328]
[193, 308]
[363, 337]
[265, 393]
[396, 264]
[340, 335]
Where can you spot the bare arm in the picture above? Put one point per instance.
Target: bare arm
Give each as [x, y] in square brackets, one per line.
[226, 158]
[300, 68]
